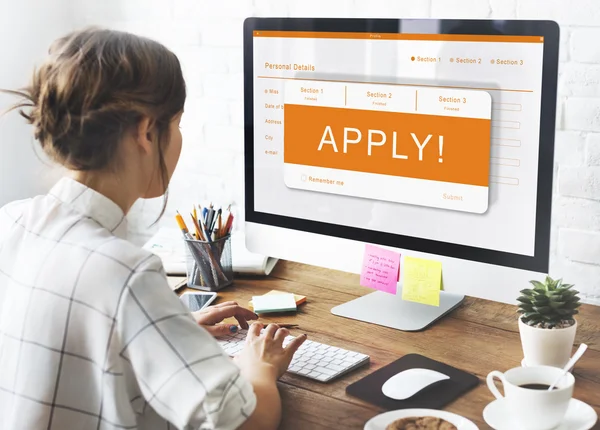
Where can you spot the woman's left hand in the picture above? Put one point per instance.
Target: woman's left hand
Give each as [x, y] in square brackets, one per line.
[211, 317]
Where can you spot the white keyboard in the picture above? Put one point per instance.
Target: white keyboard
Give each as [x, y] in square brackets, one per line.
[313, 360]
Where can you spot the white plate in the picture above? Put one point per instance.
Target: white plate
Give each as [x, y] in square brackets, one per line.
[381, 421]
[579, 416]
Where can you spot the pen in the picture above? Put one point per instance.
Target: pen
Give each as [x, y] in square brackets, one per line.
[209, 218]
[205, 230]
[219, 224]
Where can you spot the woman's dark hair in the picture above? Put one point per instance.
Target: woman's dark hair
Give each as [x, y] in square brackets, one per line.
[95, 86]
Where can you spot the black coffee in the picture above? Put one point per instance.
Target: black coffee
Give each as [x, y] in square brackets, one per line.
[543, 387]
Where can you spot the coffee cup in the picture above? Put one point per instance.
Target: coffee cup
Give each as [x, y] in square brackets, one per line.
[528, 402]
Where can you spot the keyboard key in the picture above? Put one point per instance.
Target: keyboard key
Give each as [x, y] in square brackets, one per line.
[323, 378]
[304, 372]
[310, 366]
[337, 361]
[325, 371]
[334, 368]
[314, 375]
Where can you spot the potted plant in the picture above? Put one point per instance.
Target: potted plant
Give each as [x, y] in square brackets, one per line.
[547, 323]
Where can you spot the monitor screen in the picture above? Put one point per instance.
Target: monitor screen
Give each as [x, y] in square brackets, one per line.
[424, 138]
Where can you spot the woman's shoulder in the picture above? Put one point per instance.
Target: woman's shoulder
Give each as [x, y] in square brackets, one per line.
[10, 214]
[131, 256]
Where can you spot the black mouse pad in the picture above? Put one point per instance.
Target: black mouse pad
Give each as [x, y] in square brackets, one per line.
[435, 396]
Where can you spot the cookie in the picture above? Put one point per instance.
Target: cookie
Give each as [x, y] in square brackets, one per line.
[420, 423]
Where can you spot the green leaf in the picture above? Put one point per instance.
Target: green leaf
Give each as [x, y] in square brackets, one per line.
[526, 307]
[541, 301]
[525, 300]
[526, 292]
[557, 305]
[538, 285]
[542, 309]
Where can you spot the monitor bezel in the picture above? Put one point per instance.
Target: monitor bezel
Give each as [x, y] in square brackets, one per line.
[549, 30]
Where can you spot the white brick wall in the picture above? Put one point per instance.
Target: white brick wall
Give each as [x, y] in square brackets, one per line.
[207, 36]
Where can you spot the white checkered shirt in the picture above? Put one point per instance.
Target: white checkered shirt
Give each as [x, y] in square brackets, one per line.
[91, 336]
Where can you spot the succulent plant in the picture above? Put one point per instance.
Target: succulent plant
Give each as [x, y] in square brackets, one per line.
[550, 304]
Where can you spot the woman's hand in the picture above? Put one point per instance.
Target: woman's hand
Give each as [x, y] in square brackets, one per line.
[263, 355]
[210, 318]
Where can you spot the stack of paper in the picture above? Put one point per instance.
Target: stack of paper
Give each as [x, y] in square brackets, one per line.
[297, 297]
[270, 303]
[168, 244]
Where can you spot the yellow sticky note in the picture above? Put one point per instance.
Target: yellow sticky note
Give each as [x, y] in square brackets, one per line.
[422, 280]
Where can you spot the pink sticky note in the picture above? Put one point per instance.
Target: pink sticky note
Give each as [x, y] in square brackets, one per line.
[380, 269]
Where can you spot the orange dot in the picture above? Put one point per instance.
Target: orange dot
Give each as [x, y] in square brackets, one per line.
[412, 58]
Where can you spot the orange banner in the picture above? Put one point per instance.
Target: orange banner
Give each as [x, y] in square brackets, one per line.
[438, 148]
[400, 36]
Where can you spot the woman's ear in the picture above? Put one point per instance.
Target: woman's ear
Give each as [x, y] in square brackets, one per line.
[144, 134]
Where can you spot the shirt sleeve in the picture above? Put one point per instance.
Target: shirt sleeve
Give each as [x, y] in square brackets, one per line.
[180, 368]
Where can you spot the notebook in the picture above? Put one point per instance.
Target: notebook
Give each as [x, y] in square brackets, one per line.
[168, 244]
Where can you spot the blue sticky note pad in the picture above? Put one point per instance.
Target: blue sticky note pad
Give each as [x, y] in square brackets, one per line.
[274, 303]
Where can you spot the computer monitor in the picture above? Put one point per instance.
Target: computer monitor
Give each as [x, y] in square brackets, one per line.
[431, 137]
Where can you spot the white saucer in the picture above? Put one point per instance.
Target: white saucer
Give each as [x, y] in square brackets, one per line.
[381, 421]
[579, 416]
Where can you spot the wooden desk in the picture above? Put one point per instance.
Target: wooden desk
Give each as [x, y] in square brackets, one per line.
[479, 337]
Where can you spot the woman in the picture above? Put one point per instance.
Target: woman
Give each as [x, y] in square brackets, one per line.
[91, 336]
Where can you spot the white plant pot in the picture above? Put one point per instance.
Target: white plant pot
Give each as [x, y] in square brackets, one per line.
[547, 347]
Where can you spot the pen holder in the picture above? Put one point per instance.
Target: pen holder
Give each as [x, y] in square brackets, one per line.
[208, 264]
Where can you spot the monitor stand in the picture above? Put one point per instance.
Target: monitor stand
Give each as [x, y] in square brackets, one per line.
[391, 311]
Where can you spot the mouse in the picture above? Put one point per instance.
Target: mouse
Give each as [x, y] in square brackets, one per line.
[409, 382]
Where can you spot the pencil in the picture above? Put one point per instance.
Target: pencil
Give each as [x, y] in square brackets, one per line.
[219, 224]
[181, 224]
[197, 227]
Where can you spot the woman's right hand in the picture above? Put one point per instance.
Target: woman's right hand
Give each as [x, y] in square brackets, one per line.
[264, 355]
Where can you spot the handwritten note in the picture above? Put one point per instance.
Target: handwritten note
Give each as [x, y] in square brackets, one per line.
[380, 269]
[422, 281]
